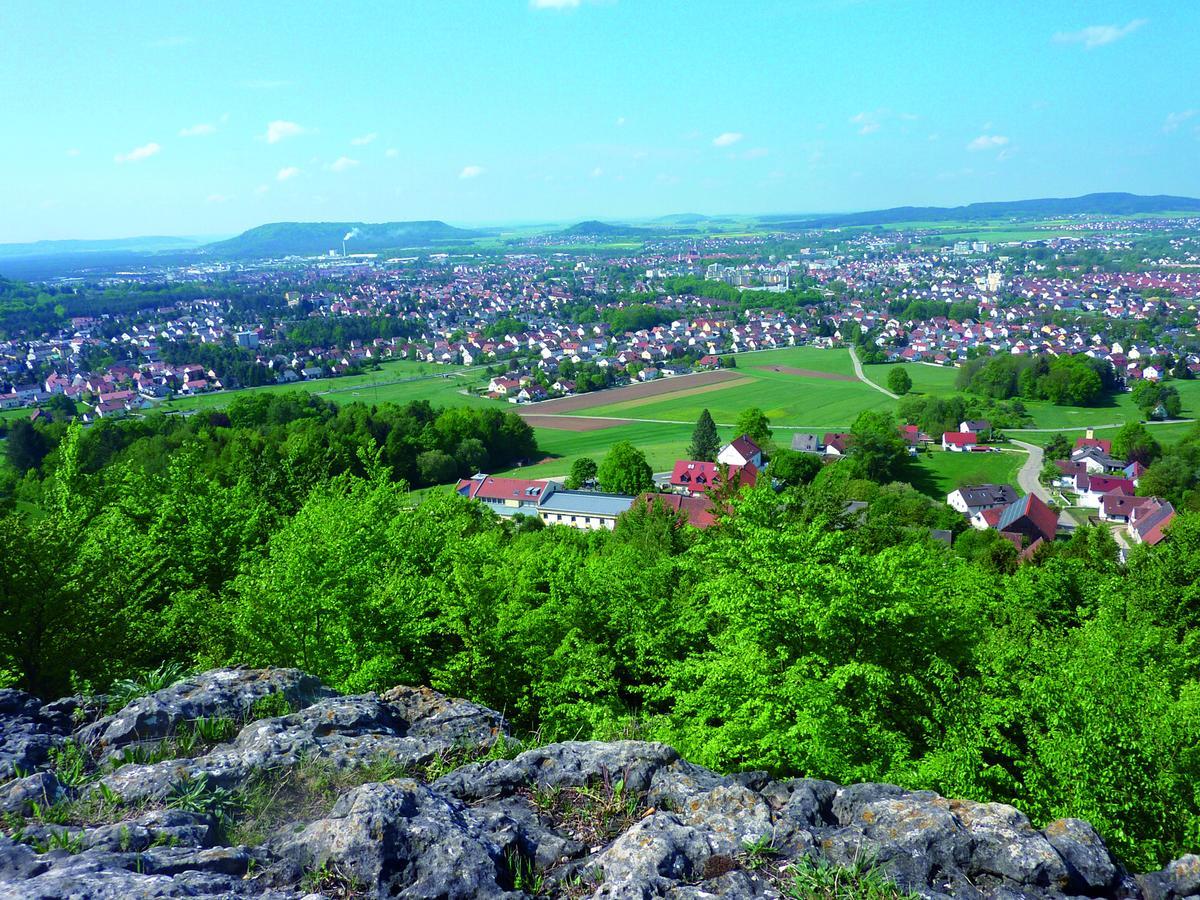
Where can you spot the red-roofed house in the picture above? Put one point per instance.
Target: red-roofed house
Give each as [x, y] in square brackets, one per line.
[959, 441]
[1093, 490]
[510, 493]
[695, 477]
[1090, 441]
[741, 451]
[837, 443]
[914, 436]
[1029, 518]
[1119, 507]
[1149, 522]
[697, 509]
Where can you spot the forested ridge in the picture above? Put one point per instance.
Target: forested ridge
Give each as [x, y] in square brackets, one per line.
[790, 637]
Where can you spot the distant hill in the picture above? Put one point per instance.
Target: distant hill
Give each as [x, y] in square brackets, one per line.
[312, 238]
[682, 219]
[113, 245]
[593, 228]
[1109, 204]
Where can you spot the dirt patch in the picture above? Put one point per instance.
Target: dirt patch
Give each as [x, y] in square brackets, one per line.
[568, 423]
[807, 373]
[659, 388]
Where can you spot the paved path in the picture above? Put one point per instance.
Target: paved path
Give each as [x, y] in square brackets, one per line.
[1028, 477]
[858, 371]
[1067, 428]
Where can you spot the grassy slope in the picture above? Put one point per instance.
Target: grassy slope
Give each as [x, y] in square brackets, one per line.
[939, 472]
[662, 444]
[787, 399]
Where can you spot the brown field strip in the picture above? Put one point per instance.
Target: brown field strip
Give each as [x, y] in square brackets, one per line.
[567, 423]
[807, 373]
[659, 388]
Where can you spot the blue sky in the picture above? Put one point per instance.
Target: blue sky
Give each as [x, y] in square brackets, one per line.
[207, 118]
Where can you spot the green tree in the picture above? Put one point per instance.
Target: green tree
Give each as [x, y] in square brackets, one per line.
[794, 468]
[26, 446]
[705, 441]
[625, 470]
[583, 473]
[1134, 442]
[1058, 447]
[753, 423]
[436, 467]
[899, 381]
[877, 450]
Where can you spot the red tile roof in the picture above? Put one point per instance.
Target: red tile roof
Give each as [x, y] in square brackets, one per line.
[1104, 445]
[492, 488]
[960, 438]
[697, 509]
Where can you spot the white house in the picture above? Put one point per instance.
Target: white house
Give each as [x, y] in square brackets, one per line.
[741, 451]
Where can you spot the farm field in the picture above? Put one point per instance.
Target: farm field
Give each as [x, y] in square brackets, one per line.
[662, 444]
[826, 396]
[939, 472]
[440, 385]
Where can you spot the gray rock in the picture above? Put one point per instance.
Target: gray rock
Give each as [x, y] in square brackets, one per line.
[347, 731]
[26, 736]
[400, 839]
[19, 795]
[732, 815]
[1090, 868]
[806, 801]
[1177, 879]
[570, 764]
[229, 693]
[1005, 844]
[656, 854]
[17, 861]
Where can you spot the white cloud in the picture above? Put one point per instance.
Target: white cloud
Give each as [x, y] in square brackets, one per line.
[138, 153]
[74, 151]
[1099, 35]
[286, 173]
[363, 140]
[342, 163]
[261, 189]
[391, 153]
[199, 130]
[866, 122]
[266, 84]
[281, 129]
[755, 153]
[218, 198]
[554, 4]
[620, 121]
[987, 142]
[1175, 119]
[597, 172]
[727, 138]
[471, 172]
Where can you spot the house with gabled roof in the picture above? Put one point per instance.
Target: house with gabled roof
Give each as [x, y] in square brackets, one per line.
[959, 441]
[1025, 520]
[741, 451]
[1148, 523]
[971, 500]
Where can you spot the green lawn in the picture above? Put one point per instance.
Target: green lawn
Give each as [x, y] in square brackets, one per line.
[440, 385]
[939, 472]
[786, 398]
[662, 444]
[925, 379]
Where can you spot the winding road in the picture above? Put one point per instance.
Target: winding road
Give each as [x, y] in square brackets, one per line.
[1028, 477]
[858, 372]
